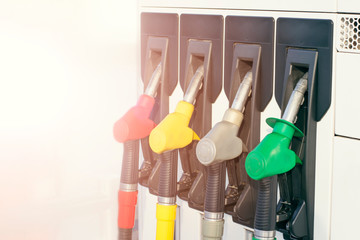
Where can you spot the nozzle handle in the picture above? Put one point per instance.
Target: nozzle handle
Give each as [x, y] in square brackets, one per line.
[212, 230]
[165, 225]
[126, 203]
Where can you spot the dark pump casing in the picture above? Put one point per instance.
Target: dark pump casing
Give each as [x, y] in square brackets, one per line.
[240, 196]
[247, 49]
[303, 45]
[199, 44]
[159, 43]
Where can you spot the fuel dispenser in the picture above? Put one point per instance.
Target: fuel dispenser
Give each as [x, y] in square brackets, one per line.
[287, 155]
[201, 81]
[303, 54]
[135, 126]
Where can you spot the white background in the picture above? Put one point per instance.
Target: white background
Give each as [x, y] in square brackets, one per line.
[67, 73]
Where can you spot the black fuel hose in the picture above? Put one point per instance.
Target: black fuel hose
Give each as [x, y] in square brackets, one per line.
[215, 188]
[168, 174]
[265, 217]
[130, 162]
[125, 234]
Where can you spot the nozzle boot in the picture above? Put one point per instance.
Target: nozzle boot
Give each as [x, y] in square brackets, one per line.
[273, 156]
[222, 142]
[173, 132]
[135, 124]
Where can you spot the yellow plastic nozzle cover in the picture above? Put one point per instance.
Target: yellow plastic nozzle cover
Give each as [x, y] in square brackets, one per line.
[173, 132]
[165, 215]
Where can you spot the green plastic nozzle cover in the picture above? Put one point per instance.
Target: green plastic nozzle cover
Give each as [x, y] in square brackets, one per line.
[272, 156]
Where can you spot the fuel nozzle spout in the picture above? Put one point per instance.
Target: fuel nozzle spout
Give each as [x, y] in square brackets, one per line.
[136, 124]
[243, 93]
[296, 100]
[173, 132]
[154, 82]
[222, 142]
[194, 86]
[273, 156]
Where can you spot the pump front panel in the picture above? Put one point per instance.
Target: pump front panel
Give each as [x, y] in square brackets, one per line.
[278, 49]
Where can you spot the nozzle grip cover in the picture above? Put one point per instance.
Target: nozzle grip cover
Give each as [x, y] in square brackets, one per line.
[127, 203]
[173, 132]
[165, 226]
[135, 124]
[220, 144]
[273, 156]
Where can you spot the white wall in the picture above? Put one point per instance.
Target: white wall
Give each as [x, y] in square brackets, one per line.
[67, 73]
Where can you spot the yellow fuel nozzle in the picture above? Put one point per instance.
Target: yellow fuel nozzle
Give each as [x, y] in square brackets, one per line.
[173, 132]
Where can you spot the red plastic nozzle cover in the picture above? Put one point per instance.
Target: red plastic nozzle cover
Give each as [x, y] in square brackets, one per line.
[135, 124]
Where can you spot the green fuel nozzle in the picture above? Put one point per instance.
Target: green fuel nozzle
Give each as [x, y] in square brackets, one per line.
[273, 156]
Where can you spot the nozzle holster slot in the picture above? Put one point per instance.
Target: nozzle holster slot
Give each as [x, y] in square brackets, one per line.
[199, 45]
[159, 46]
[199, 53]
[314, 34]
[247, 50]
[246, 57]
[295, 210]
[302, 45]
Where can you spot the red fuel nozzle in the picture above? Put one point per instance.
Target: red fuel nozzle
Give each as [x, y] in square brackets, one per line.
[135, 124]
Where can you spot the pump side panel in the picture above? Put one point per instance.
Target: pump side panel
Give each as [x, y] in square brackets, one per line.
[345, 190]
[347, 115]
[349, 6]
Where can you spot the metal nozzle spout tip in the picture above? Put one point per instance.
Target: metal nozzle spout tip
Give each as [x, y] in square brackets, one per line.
[242, 93]
[194, 86]
[296, 99]
[154, 82]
